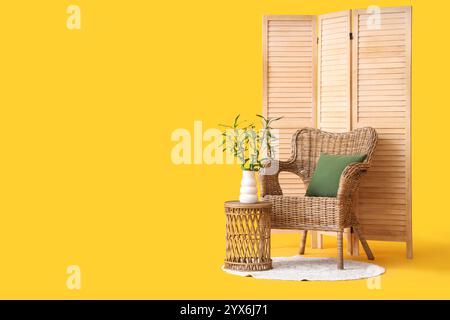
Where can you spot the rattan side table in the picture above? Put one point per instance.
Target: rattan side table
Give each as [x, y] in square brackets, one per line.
[248, 236]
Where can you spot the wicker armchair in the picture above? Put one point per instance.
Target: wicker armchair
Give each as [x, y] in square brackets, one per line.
[320, 213]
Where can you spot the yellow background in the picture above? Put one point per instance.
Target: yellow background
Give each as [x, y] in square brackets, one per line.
[86, 176]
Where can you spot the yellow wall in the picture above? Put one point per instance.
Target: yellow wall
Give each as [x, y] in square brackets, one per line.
[86, 176]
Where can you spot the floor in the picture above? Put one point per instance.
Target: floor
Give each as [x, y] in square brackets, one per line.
[427, 276]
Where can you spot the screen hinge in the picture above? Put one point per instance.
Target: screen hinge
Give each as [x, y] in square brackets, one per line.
[351, 35]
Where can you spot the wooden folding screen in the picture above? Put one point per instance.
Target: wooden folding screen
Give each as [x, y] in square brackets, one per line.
[289, 78]
[381, 99]
[334, 76]
[360, 82]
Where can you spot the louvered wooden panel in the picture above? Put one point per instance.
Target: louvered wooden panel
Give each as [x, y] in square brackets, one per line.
[381, 99]
[334, 63]
[289, 81]
[334, 81]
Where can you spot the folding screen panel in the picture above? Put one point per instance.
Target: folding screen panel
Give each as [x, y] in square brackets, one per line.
[289, 80]
[334, 76]
[334, 82]
[381, 99]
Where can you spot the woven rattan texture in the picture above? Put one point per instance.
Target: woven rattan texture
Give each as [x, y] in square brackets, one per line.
[248, 236]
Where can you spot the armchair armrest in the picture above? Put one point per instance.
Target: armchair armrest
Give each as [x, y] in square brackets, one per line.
[270, 184]
[350, 179]
[273, 167]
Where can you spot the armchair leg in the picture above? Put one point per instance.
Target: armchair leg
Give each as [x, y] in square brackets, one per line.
[364, 243]
[303, 242]
[340, 238]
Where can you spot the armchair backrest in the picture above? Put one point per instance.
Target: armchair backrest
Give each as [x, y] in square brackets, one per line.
[309, 143]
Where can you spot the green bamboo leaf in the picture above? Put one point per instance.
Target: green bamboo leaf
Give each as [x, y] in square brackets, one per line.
[235, 124]
[274, 119]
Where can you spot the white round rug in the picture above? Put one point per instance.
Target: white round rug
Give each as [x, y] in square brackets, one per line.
[300, 268]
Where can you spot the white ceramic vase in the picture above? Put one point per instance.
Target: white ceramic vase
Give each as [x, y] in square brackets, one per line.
[249, 191]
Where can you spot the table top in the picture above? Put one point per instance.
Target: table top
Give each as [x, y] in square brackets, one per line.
[237, 204]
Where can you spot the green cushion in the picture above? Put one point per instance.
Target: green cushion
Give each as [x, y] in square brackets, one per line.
[325, 180]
